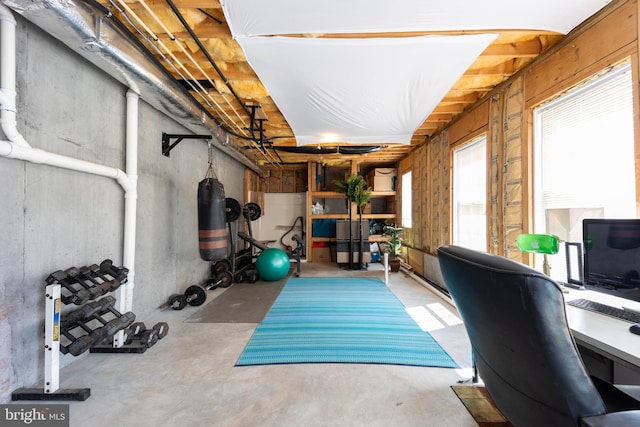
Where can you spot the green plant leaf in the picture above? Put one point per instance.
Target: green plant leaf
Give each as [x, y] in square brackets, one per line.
[356, 189]
[394, 241]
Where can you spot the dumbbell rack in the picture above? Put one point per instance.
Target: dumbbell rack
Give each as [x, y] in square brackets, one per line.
[136, 337]
[77, 286]
[51, 390]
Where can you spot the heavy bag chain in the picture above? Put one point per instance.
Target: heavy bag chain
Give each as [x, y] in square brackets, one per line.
[211, 173]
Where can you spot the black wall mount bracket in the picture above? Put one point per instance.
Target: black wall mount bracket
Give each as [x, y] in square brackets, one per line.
[167, 145]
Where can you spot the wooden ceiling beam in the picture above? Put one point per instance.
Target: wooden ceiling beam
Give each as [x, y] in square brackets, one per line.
[440, 117]
[208, 29]
[182, 4]
[524, 49]
[464, 90]
[460, 99]
[505, 69]
[504, 57]
[429, 125]
[230, 73]
[450, 108]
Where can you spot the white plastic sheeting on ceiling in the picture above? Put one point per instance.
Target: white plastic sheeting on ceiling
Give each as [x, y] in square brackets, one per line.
[360, 91]
[376, 90]
[280, 17]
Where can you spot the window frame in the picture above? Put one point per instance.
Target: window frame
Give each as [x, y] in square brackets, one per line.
[406, 199]
[537, 220]
[480, 137]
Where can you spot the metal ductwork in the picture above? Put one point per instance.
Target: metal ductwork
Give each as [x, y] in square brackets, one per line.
[88, 28]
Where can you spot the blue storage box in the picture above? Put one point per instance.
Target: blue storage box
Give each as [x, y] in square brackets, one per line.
[323, 228]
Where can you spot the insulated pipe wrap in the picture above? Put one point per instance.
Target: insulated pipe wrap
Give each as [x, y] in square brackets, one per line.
[88, 29]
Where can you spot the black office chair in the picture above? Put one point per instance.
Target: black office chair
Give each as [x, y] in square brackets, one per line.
[523, 348]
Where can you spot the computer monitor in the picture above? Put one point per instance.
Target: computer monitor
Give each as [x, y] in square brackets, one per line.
[612, 256]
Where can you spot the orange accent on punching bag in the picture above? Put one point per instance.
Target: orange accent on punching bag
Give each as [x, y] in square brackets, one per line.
[212, 233]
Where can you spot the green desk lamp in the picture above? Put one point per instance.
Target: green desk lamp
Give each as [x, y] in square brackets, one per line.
[545, 244]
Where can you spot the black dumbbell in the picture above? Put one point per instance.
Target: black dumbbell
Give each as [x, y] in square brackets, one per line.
[133, 331]
[90, 280]
[77, 294]
[195, 295]
[76, 297]
[85, 342]
[55, 277]
[119, 323]
[223, 279]
[79, 344]
[252, 276]
[116, 280]
[177, 301]
[222, 265]
[127, 318]
[119, 273]
[76, 276]
[92, 273]
[67, 333]
[111, 327]
[86, 311]
[162, 328]
[95, 311]
[148, 337]
[138, 332]
[74, 316]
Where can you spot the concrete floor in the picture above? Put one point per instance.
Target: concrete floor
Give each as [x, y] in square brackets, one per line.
[189, 378]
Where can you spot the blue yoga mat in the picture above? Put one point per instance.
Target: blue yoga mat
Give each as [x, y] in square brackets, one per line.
[341, 320]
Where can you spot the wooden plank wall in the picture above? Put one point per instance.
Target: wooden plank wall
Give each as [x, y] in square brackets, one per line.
[419, 196]
[494, 142]
[252, 183]
[416, 259]
[513, 214]
[287, 179]
[606, 40]
[437, 224]
[505, 114]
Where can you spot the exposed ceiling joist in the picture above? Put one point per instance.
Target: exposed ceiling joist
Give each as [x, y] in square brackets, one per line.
[214, 83]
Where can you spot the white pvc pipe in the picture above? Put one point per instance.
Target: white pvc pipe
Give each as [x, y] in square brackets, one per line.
[386, 268]
[35, 155]
[8, 77]
[130, 201]
[18, 148]
[125, 292]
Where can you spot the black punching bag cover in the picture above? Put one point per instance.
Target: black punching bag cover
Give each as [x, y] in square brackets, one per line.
[212, 230]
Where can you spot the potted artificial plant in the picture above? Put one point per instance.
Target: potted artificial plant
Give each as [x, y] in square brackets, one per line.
[358, 193]
[393, 245]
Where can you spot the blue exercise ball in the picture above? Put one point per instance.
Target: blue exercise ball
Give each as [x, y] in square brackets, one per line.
[272, 264]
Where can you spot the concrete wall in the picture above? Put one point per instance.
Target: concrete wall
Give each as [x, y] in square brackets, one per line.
[54, 218]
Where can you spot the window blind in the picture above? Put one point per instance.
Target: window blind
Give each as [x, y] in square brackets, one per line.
[584, 158]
